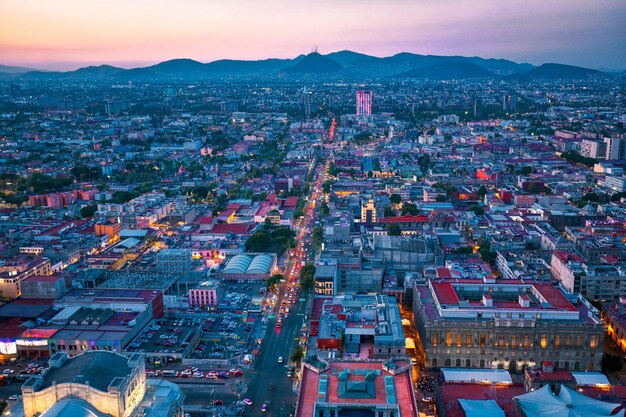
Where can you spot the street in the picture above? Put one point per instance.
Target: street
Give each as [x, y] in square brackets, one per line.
[269, 383]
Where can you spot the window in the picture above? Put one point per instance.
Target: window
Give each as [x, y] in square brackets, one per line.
[579, 340]
[449, 339]
[557, 340]
[593, 342]
[526, 340]
[459, 339]
[468, 339]
[483, 339]
[514, 340]
[544, 341]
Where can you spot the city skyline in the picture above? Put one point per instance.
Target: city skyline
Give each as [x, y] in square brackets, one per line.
[46, 35]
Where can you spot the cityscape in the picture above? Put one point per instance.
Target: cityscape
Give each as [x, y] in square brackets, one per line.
[203, 215]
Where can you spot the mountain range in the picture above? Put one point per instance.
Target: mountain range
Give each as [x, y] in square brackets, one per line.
[341, 65]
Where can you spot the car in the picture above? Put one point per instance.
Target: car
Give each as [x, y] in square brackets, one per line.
[14, 397]
[247, 401]
[198, 374]
[218, 402]
[427, 399]
[280, 359]
[8, 371]
[289, 374]
[264, 408]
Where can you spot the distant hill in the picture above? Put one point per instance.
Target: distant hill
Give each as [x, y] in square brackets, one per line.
[177, 66]
[448, 71]
[346, 65]
[314, 63]
[100, 71]
[345, 57]
[10, 69]
[559, 71]
[227, 66]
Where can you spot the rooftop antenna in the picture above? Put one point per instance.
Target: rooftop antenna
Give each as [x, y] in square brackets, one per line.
[314, 49]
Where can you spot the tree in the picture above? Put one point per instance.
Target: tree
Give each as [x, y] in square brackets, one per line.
[463, 250]
[485, 251]
[84, 173]
[258, 242]
[307, 277]
[318, 237]
[478, 210]
[410, 209]
[525, 170]
[326, 186]
[393, 229]
[88, 211]
[388, 212]
[297, 354]
[324, 210]
[274, 280]
[120, 197]
[395, 199]
[482, 191]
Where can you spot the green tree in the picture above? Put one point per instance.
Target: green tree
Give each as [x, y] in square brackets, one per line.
[388, 212]
[273, 281]
[297, 354]
[395, 199]
[324, 210]
[88, 211]
[258, 242]
[463, 250]
[84, 173]
[393, 229]
[307, 277]
[410, 209]
[478, 210]
[317, 237]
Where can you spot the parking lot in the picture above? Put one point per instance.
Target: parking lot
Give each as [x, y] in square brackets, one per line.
[170, 337]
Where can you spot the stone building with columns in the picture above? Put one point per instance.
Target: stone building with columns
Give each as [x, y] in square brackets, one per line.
[99, 383]
[506, 324]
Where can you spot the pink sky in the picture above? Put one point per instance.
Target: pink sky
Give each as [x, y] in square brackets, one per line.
[72, 33]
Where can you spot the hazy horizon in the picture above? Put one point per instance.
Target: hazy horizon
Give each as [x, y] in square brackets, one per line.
[68, 34]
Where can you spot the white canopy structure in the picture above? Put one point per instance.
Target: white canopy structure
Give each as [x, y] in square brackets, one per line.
[481, 408]
[568, 403]
[473, 375]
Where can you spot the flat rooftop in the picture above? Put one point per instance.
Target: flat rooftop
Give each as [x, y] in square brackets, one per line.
[328, 383]
[501, 394]
[99, 368]
[513, 299]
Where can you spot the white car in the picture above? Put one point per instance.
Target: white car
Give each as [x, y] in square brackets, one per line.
[8, 371]
[280, 359]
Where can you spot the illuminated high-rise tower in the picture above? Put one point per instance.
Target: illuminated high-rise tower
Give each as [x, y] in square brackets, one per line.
[363, 103]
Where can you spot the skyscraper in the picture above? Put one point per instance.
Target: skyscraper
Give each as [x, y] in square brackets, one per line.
[508, 102]
[478, 108]
[306, 103]
[363, 103]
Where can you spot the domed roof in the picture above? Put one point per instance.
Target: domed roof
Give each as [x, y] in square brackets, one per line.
[72, 408]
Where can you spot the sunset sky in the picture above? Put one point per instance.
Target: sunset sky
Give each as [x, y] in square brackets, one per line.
[66, 34]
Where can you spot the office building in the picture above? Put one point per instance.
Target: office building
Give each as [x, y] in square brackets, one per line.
[363, 103]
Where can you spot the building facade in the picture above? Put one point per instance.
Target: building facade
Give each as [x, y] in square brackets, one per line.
[509, 324]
